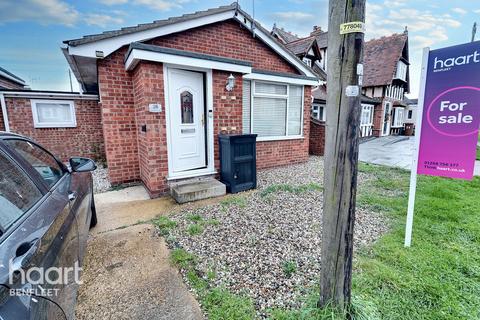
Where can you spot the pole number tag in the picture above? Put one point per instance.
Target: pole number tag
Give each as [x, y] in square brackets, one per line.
[351, 27]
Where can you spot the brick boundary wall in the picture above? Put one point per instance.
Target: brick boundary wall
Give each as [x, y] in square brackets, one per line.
[317, 137]
[85, 140]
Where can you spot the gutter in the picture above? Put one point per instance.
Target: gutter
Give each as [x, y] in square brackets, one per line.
[4, 113]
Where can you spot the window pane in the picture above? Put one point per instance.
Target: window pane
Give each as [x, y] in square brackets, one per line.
[17, 193]
[269, 115]
[246, 105]
[43, 162]
[269, 88]
[51, 113]
[186, 100]
[295, 110]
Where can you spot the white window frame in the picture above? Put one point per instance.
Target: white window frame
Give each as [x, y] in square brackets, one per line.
[366, 129]
[396, 113]
[253, 94]
[319, 106]
[72, 123]
[307, 61]
[401, 71]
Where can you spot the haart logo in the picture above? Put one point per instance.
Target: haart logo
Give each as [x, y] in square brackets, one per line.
[449, 63]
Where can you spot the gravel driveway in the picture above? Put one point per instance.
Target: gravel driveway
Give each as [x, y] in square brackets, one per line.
[266, 243]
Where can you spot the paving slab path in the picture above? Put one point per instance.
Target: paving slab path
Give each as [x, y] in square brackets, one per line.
[127, 274]
[393, 151]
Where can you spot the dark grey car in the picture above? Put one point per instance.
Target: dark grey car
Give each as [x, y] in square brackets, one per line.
[46, 210]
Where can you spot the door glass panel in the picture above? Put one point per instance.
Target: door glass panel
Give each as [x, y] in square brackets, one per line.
[186, 100]
[42, 161]
[17, 193]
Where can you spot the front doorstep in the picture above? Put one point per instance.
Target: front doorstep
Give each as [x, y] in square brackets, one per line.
[197, 190]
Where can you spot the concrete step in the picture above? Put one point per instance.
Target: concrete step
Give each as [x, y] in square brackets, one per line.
[197, 190]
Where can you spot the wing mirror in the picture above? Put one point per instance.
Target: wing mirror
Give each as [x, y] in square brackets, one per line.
[82, 164]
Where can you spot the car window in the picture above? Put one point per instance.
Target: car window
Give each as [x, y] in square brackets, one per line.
[17, 193]
[45, 164]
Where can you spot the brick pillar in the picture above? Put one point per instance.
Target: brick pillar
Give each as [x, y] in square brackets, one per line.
[148, 87]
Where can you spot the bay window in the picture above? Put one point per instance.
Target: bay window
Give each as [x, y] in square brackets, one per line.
[272, 110]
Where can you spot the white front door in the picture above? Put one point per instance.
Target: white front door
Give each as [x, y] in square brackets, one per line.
[186, 107]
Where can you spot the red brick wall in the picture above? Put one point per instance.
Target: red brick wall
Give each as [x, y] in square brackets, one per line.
[118, 114]
[317, 137]
[84, 140]
[227, 39]
[152, 144]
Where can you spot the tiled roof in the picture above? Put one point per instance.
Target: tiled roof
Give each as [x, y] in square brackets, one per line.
[380, 55]
[147, 26]
[300, 46]
[320, 93]
[283, 35]
[322, 39]
[380, 59]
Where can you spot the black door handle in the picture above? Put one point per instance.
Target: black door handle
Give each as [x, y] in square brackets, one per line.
[24, 254]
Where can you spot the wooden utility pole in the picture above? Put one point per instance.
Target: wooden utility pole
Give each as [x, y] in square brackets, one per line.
[345, 52]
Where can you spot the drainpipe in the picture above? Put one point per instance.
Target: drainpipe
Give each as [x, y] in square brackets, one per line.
[4, 113]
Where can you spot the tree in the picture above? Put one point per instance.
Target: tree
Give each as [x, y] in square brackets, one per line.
[341, 159]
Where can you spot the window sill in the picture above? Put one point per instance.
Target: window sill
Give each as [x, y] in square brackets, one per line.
[266, 139]
[46, 126]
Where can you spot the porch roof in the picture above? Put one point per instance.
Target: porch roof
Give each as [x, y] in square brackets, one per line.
[183, 53]
[140, 51]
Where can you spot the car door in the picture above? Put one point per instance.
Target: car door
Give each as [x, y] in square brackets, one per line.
[81, 197]
[51, 232]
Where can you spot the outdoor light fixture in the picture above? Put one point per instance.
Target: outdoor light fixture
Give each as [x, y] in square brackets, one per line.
[230, 83]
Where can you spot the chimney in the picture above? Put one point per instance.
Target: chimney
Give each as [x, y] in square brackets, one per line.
[316, 29]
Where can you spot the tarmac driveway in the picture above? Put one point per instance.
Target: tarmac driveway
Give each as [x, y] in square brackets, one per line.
[126, 272]
[392, 151]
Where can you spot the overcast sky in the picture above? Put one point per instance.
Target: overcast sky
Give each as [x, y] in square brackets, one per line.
[32, 31]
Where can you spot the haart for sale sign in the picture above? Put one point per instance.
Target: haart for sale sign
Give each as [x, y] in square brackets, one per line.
[451, 112]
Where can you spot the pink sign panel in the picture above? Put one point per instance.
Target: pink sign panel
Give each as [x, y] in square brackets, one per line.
[451, 112]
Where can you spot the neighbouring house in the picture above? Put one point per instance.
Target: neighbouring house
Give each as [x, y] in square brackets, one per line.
[167, 89]
[66, 123]
[10, 81]
[411, 116]
[411, 111]
[319, 116]
[311, 50]
[385, 82]
[387, 77]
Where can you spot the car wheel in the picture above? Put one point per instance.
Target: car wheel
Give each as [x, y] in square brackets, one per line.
[93, 220]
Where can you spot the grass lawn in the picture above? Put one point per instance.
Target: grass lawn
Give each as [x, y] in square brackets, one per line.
[437, 278]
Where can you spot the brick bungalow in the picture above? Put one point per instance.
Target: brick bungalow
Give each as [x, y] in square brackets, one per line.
[167, 89]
